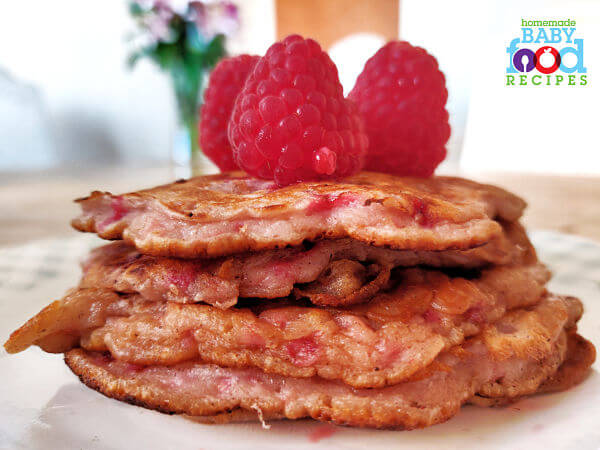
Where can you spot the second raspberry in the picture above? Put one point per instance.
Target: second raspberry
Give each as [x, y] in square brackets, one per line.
[291, 122]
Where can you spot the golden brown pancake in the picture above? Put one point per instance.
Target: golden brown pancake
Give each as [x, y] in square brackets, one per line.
[574, 369]
[581, 354]
[331, 272]
[368, 345]
[431, 396]
[232, 213]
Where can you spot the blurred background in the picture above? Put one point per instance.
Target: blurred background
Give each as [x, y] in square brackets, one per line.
[68, 98]
[70, 105]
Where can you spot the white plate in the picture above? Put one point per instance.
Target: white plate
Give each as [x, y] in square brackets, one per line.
[43, 405]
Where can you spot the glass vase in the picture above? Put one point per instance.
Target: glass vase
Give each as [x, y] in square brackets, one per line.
[186, 156]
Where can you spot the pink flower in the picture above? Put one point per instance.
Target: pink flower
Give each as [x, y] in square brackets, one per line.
[215, 18]
[163, 9]
[231, 10]
[158, 26]
[198, 14]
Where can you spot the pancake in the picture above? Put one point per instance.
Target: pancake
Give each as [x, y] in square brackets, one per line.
[431, 396]
[329, 271]
[381, 342]
[581, 354]
[59, 325]
[232, 213]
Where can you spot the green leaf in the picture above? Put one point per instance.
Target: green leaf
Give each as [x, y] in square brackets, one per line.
[165, 54]
[136, 55]
[135, 9]
[215, 50]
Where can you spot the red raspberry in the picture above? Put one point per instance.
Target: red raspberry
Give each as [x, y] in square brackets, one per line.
[226, 81]
[402, 95]
[291, 122]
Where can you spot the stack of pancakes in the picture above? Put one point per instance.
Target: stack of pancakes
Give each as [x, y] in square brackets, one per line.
[372, 301]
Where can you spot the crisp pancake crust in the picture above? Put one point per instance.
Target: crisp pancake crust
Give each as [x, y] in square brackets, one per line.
[430, 397]
[275, 273]
[232, 213]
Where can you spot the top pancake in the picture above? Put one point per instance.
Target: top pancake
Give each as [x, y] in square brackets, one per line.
[231, 212]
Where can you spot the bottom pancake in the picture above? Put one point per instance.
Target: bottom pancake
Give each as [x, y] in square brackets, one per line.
[520, 346]
[581, 354]
[235, 416]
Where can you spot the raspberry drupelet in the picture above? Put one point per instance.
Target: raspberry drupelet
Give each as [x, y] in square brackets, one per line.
[291, 122]
[226, 82]
[402, 94]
